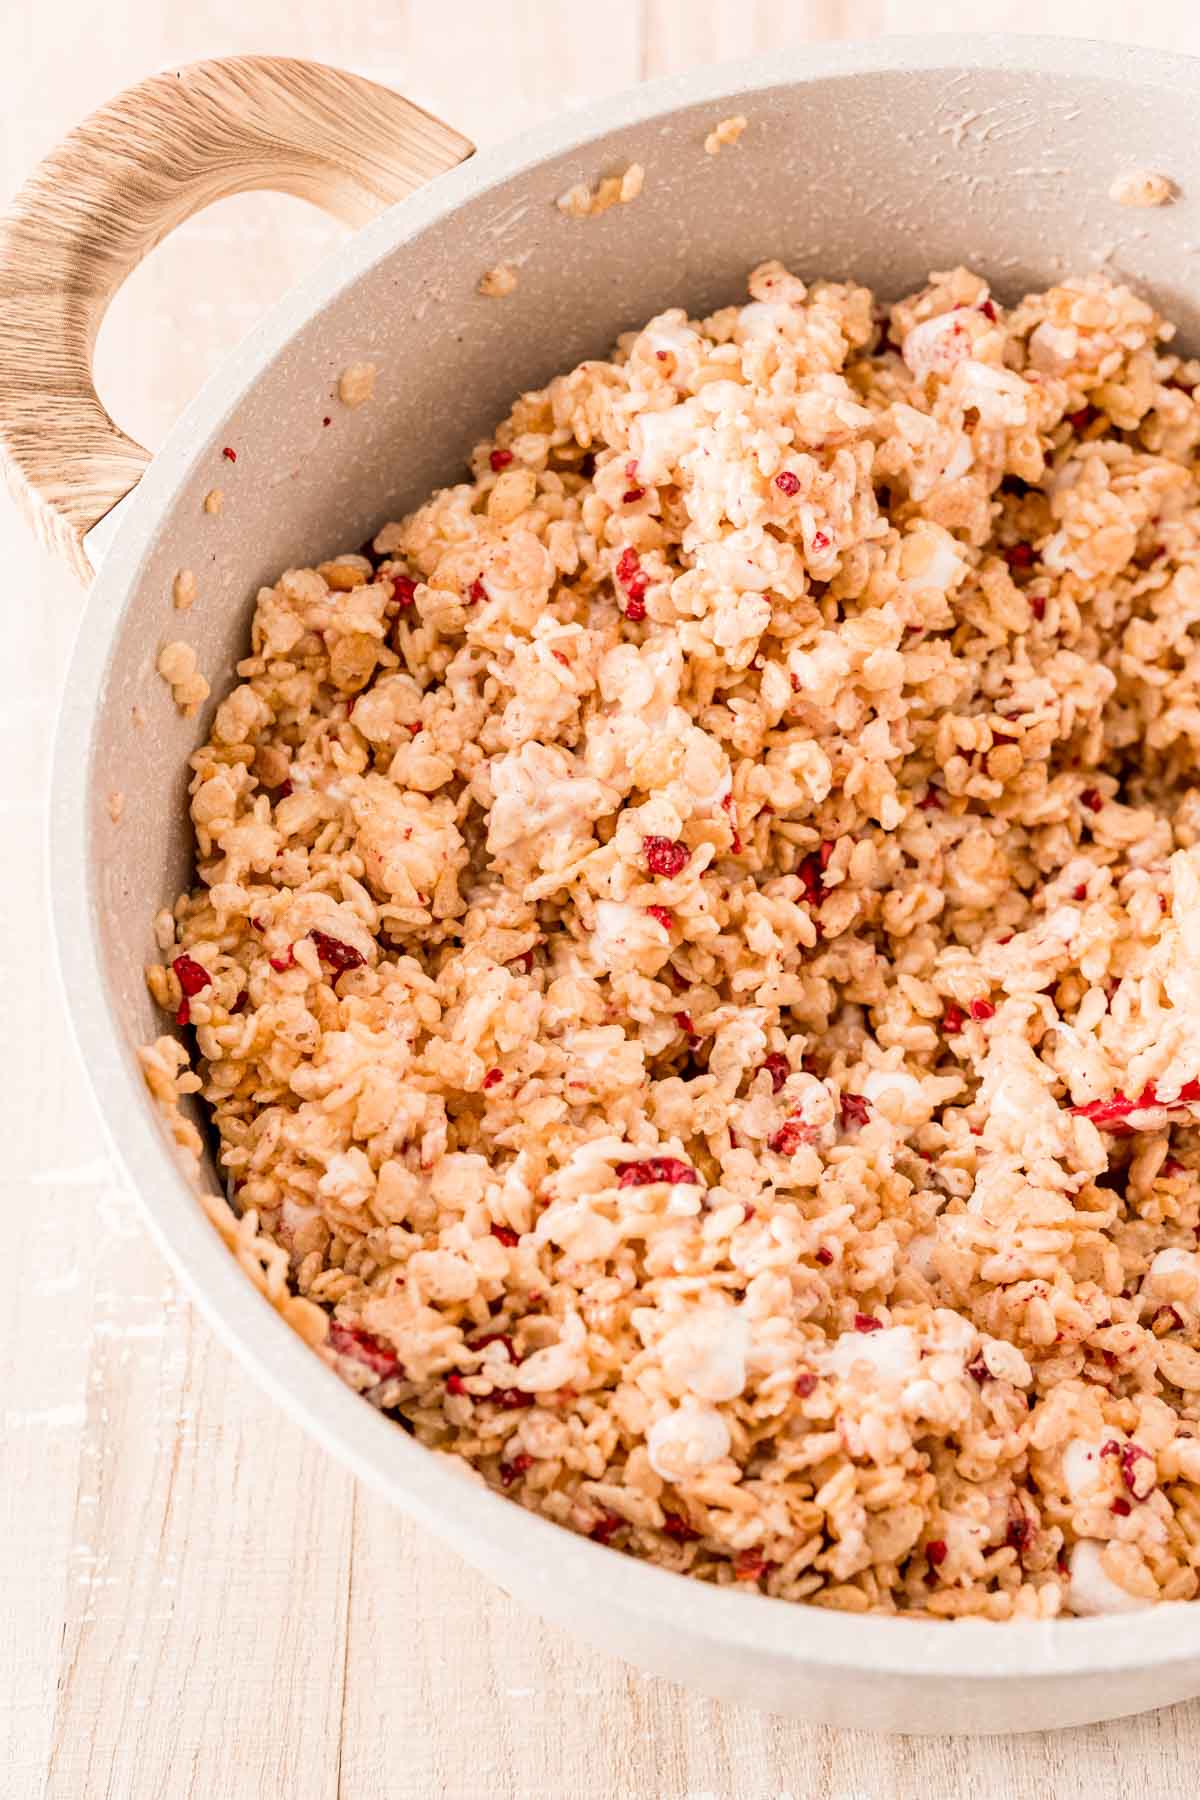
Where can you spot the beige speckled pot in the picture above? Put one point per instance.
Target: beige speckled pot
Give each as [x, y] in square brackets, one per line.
[879, 161]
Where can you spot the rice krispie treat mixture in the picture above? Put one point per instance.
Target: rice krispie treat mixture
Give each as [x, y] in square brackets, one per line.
[695, 961]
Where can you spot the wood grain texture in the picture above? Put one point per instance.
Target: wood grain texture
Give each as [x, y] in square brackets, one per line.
[114, 188]
[198, 1606]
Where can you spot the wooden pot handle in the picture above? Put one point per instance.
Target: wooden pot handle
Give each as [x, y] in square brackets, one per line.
[114, 188]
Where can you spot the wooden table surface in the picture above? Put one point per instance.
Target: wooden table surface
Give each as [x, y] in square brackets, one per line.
[195, 1602]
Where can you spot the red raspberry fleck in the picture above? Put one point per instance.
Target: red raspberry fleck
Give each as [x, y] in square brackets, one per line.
[339, 956]
[812, 877]
[979, 1371]
[1121, 1507]
[684, 1022]
[632, 576]
[454, 1385]
[635, 611]
[678, 1529]
[727, 803]
[192, 977]
[824, 1257]
[1019, 1532]
[327, 420]
[655, 1168]
[507, 1236]
[788, 1139]
[856, 1109]
[283, 791]
[1079, 421]
[524, 962]
[806, 1384]
[953, 1020]
[511, 1399]
[1079, 892]
[500, 459]
[605, 1526]
[820, 541]
[183, 1014]
[512, 1471]
[867, 1322]
[988, 309]
[936, 1552]
[280, 963]
[353, 1341]
[477, 592]
[632, 494]
[666, 856]
[1137, 1470]
[239, 1004]
[778, 1068]
[228, 454]
[662, 915]
[1019, 556]
[930, 801]
[787, 482]
[404, 590]
[982, 1009]
[493, 1078]
[750, 1565]
[1091, 799]
[1111, 1114]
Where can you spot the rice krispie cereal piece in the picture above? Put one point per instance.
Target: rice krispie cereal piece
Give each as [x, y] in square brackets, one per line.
[356, 384]
[695, 959]
[178, 666]
[584, 202]
[1142, 187]
[726, 131]
[497, 283]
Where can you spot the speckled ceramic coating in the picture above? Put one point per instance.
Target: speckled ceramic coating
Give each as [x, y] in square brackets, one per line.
[878, 162]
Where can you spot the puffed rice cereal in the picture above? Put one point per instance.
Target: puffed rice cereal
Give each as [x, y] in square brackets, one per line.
[694, 967]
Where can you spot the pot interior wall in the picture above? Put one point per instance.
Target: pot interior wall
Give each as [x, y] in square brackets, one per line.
[880, 176]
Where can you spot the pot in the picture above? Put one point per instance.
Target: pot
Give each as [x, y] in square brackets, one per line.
[877, 161]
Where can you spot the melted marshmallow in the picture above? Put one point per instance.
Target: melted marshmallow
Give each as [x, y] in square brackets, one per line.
[895, 1081]
[707, 1354]
[891, 1355]
[933, 347]
[623, 933]
[1082, 1466]
[687, 1440]
[1091, 1590]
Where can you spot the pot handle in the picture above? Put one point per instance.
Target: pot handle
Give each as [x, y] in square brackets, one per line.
[114, 188]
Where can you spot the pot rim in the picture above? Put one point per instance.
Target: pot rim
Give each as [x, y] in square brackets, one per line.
[485, 1528]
